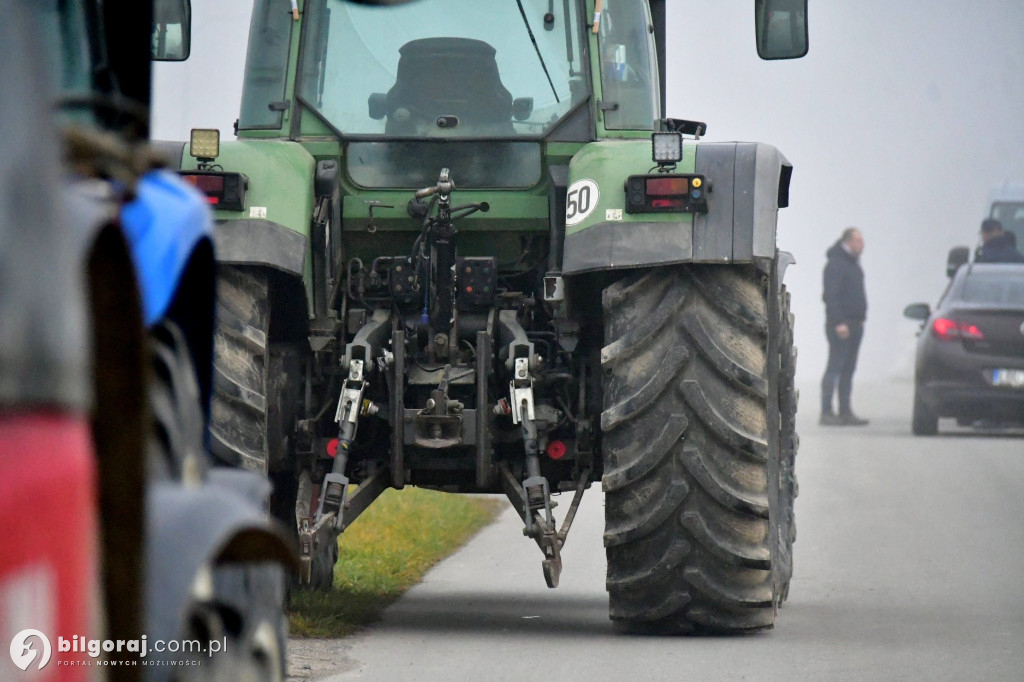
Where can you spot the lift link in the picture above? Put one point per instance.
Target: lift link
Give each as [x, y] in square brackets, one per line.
[335, 485]
[535, 486]
[316, 538]
[542, 528]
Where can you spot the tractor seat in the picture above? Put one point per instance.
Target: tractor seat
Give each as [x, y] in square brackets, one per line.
[448, 77]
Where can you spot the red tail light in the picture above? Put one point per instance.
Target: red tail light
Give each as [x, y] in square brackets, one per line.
[971, 331]
[946, 329]
[556, 449]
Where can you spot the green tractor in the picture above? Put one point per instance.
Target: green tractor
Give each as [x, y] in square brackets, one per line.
[462, 249]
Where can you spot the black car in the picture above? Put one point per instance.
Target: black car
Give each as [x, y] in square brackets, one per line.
[970, 351]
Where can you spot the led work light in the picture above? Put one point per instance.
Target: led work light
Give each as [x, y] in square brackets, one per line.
[204, 143]
[667, 148]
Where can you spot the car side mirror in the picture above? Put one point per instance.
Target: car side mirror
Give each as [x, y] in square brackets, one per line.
[958, 255]
[378, 103]
[917, 311]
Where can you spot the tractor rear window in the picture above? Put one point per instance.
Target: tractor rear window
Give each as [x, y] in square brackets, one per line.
[452, 69]
[416, 163]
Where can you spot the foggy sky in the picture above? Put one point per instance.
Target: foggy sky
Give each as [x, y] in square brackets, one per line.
[899, 121]
[901, 118]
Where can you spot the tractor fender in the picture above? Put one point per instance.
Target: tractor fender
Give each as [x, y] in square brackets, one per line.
[749, 184]
[783, 260]
[224, 520]
[260, 242]
[165, 223]
[748, 181]
[280, 252]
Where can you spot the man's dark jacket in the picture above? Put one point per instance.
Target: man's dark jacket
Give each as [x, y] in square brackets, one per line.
[845, 300]
[999, 249]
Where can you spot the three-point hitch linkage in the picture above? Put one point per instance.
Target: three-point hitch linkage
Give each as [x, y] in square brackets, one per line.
[424, 360]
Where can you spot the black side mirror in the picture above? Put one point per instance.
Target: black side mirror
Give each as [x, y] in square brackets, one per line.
[172, 30]
[378, 104]
[522, 108]
[781, 28]
[958, 255]
[917, 311]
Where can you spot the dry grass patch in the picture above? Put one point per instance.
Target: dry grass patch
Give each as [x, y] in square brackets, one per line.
[385, 552]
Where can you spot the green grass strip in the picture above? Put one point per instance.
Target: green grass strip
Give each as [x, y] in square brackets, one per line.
[386, 551]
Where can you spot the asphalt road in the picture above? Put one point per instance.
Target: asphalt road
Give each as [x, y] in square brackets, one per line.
[909, 565]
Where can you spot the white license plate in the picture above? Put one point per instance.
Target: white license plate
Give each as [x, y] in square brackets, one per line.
[1014, 378]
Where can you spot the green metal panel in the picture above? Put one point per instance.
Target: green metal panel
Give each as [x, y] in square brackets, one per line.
[495, 233]
[600, 235]
[509, 210]
[608, 163]
[280, 185]
[561, 153]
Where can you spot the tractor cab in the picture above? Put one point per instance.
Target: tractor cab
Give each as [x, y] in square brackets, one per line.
[392, 84]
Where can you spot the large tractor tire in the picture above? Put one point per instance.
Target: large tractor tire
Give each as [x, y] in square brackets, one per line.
[238, 411]
[789, 443]
[247, 604]
[247, 611]
[687, 458]
[257, 387]
[175, 443]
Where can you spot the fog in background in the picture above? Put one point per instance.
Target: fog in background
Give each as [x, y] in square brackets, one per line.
[899, 121]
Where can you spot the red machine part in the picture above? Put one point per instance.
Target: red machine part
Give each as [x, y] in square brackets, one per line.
[48, 569]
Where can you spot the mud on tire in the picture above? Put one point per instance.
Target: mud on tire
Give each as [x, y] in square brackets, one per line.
[238, 411]
[789, 443]
[174, 446]
[687, 470]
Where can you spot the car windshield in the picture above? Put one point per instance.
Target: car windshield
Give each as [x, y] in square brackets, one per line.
[443, 68]
[1011, 215]
[996, 288]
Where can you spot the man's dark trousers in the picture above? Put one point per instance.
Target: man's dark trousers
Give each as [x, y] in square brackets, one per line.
[842, 361]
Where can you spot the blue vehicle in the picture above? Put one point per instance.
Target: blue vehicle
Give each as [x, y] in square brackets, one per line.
[107, 305]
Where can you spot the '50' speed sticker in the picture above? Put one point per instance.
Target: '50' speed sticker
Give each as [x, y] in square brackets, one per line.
[580, 201]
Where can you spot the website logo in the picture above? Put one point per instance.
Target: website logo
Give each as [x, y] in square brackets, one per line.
[23, 653]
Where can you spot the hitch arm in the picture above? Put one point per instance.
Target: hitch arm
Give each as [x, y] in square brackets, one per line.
[541, 526]
[312, 536]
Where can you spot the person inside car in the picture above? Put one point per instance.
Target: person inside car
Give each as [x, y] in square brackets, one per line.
[997, 245]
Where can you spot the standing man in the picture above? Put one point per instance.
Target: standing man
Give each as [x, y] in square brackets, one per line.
[997, 245]
[846, 307]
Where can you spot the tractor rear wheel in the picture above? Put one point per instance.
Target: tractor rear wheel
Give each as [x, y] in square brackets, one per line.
[687, 471]
[247, 604]
[175, 443]
[238, 411]
[789, 443]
